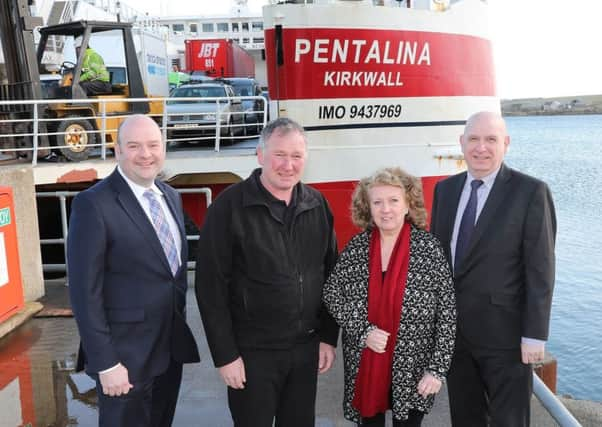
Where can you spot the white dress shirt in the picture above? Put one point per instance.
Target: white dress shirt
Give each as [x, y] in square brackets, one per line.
[138, 191]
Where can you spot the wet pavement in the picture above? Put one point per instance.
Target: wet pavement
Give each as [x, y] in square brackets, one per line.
[38, 385]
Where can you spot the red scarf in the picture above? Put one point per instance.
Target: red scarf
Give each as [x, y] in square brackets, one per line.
[385, 300]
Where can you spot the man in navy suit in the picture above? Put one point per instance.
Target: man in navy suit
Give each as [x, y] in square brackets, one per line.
[498, 228]
[127, 257]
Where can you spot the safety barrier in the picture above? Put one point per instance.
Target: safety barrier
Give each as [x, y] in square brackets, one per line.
[62, 240]
[553, 405]
[25, 125]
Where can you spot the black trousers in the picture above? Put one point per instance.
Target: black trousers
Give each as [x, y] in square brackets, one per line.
[414, 420]
[281, 385]
[489, 387]
[94, 87]
[150, 403]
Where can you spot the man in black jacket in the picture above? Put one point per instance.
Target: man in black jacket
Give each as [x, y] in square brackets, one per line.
[265, 251]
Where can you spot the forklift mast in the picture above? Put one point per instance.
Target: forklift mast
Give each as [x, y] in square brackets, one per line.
[22, 75]
[16, 33]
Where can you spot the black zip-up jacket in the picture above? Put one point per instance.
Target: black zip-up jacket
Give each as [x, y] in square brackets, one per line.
[258, 282]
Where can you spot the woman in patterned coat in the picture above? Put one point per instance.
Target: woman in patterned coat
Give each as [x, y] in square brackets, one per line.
[391, 292]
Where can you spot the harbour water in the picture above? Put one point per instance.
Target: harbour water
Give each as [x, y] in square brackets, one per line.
[566, 152]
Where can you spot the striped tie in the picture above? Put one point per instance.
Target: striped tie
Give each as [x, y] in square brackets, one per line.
[163, 233]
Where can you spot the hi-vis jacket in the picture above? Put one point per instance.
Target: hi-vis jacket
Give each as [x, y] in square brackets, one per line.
[93, 67]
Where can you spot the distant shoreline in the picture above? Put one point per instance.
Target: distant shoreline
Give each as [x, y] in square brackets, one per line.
[549, 113]
[557, 106]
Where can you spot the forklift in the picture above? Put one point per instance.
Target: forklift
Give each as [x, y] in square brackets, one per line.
[77, 127]
[78, 124]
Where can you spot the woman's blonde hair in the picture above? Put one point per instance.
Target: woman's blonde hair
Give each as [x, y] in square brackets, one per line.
[360, 205]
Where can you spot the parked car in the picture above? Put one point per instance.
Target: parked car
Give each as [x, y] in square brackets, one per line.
[198, 118]
[199, 77]
[253, 108]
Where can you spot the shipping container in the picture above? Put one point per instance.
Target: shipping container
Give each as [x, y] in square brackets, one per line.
[218, 58]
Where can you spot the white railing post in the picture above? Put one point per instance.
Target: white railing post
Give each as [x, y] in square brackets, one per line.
[103, 131]
[218, 124]
[265, 112]
[164, 122]
[64, 224]
[34, 155]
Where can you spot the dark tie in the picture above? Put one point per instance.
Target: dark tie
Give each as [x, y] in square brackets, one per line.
[162, 229]
[467, 224]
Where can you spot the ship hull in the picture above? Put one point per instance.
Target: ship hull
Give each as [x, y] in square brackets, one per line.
[378, 86]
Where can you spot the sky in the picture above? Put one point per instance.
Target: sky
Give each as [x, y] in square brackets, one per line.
[542, 48]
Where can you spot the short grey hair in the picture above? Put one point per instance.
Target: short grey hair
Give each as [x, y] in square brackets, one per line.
[282, 126]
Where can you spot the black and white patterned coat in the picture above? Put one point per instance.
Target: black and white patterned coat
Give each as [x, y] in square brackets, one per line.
[427, 329]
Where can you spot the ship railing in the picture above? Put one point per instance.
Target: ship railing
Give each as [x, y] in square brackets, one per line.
[434, 5]
[66, 16]
[64, 198]
[213, 121]
[23, 127]
[552, 404]
[56, 42]
[119, 8]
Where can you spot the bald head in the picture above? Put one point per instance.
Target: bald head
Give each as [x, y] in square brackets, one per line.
[136, 121]
[490, 118]
[484, 143]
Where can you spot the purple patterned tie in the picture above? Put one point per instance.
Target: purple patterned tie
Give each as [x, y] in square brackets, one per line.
[162, 229]
[467, 224]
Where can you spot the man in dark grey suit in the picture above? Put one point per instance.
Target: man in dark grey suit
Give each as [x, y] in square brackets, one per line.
[127, 258]
[498, 228]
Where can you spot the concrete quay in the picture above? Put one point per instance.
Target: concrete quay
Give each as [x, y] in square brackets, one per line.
[37, 380]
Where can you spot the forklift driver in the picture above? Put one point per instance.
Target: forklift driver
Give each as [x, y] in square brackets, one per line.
[94, 78]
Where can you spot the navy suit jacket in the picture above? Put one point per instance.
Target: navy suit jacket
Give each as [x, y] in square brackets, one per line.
[505, 282]
[128, 306]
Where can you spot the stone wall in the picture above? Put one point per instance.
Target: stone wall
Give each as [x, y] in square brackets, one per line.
[20, 179]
